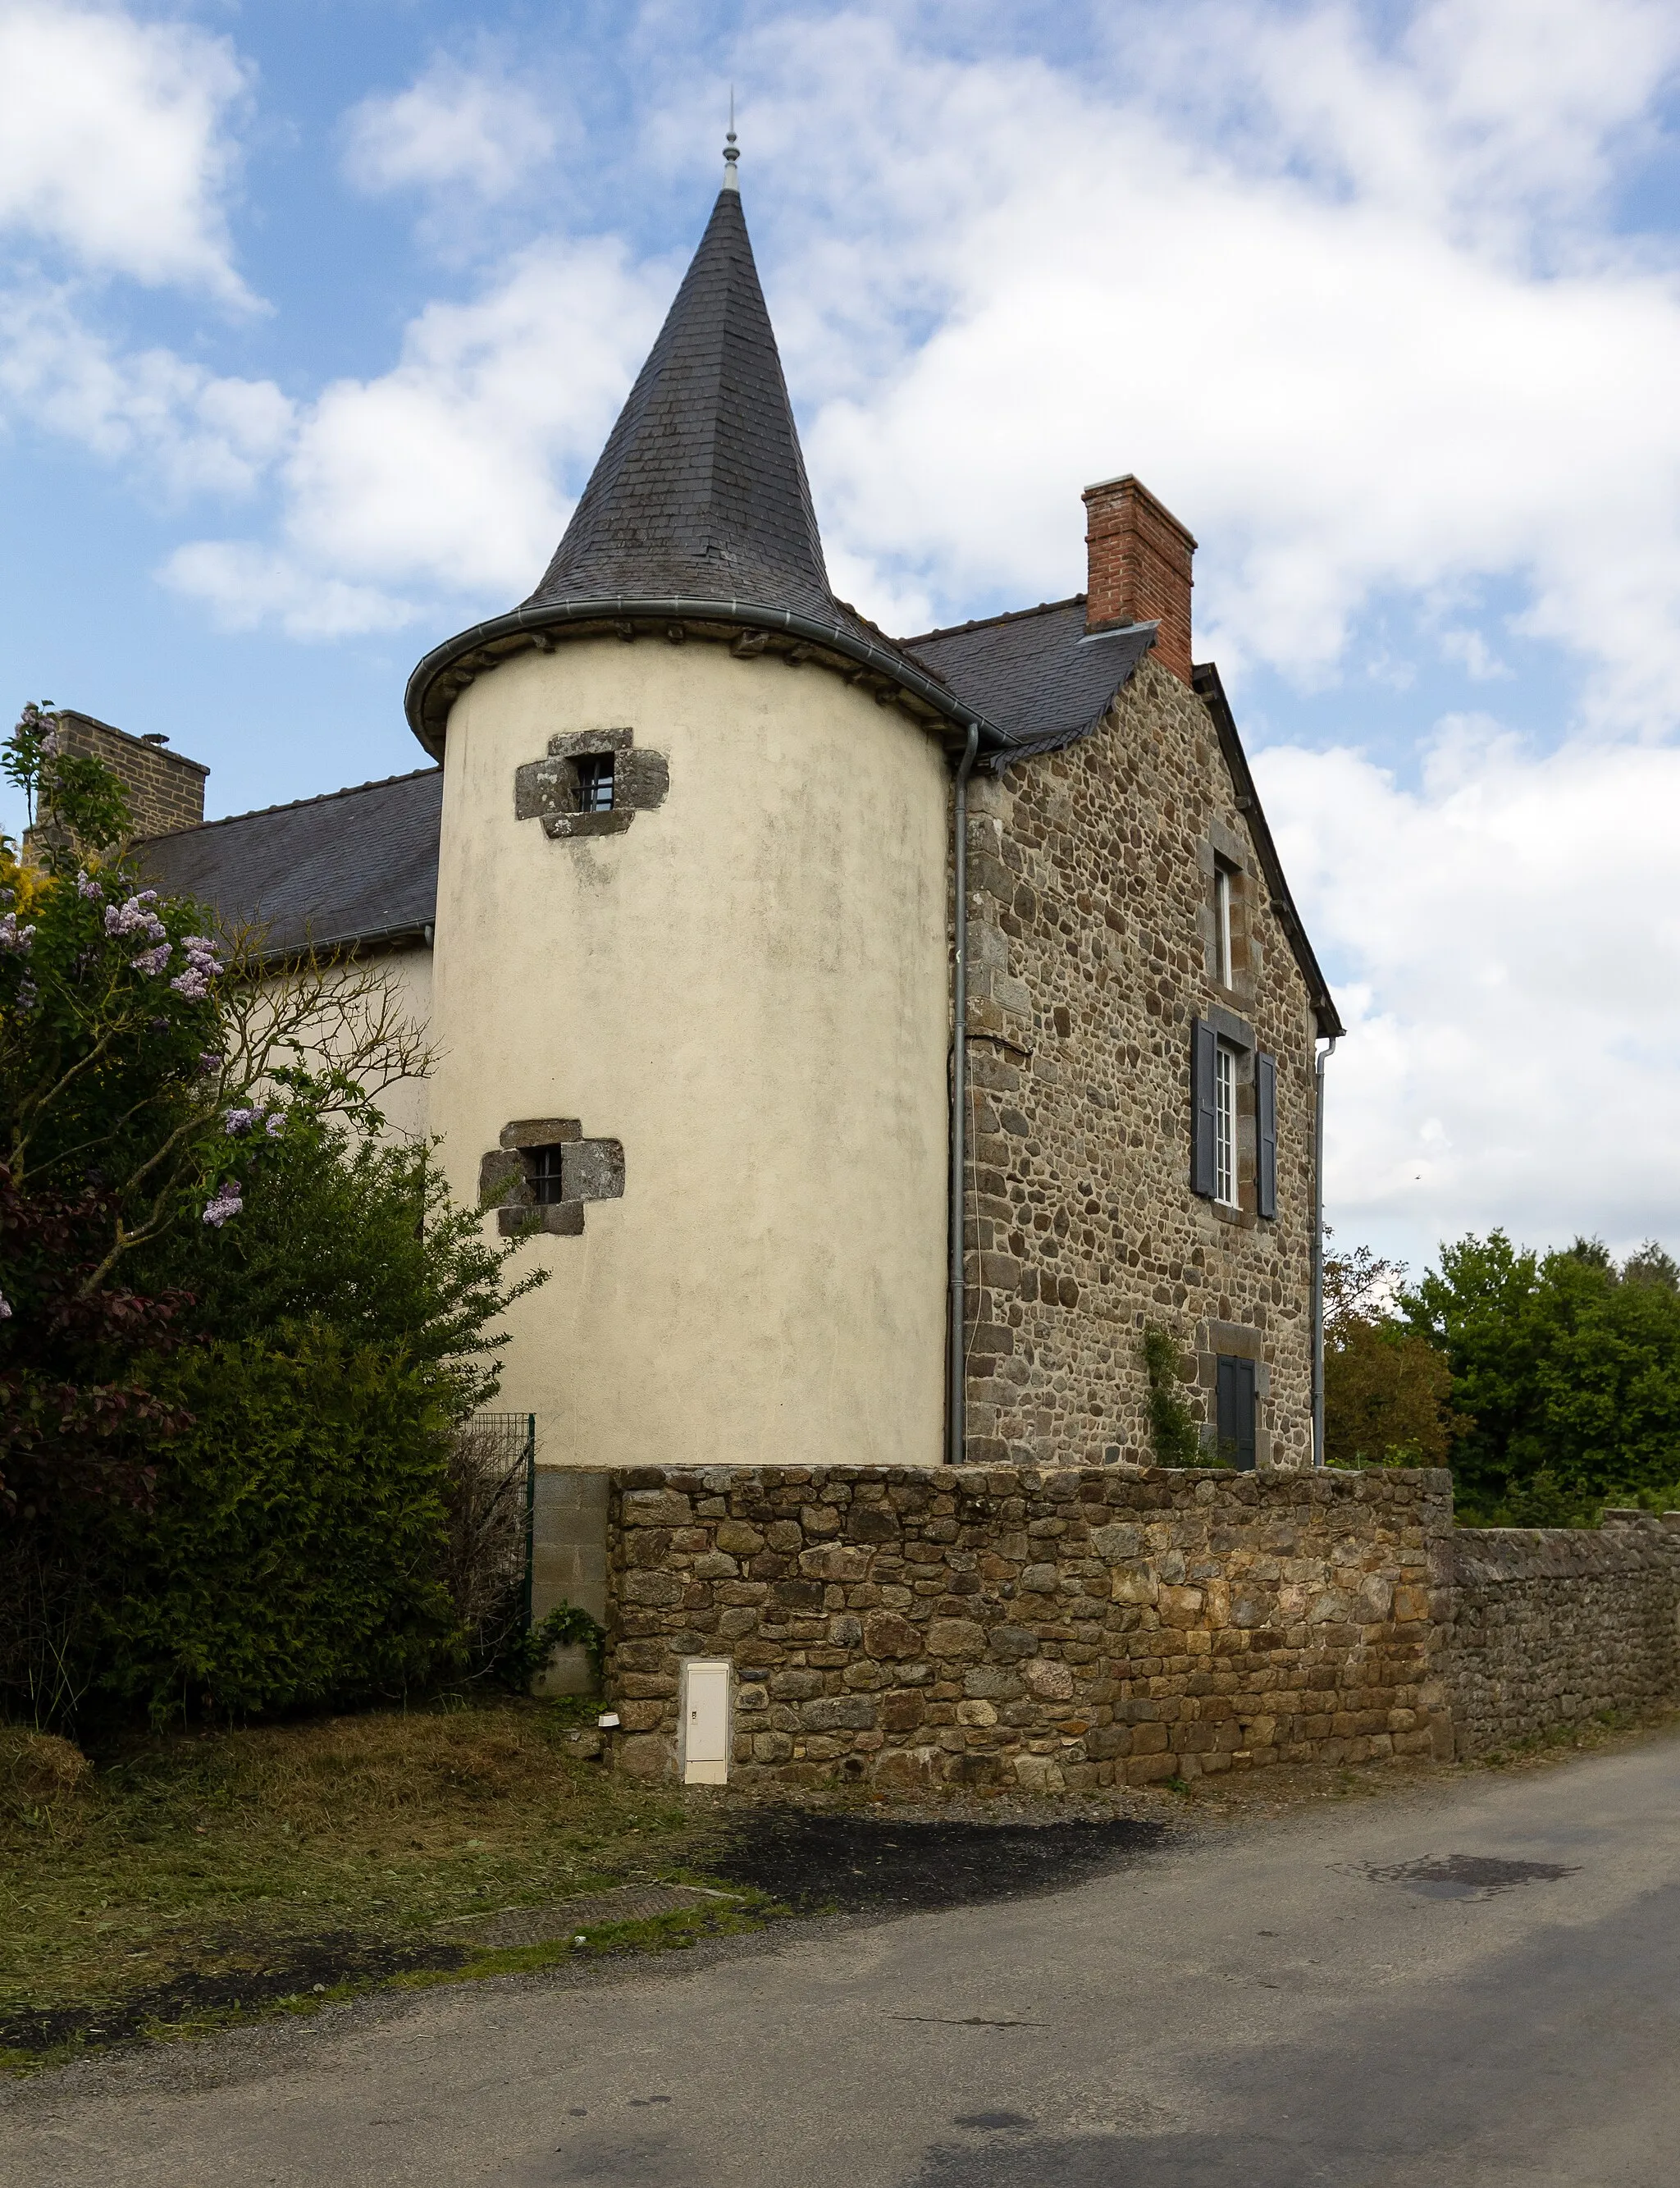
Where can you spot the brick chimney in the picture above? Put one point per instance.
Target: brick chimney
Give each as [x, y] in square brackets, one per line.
[166, 791]
[1139, 557]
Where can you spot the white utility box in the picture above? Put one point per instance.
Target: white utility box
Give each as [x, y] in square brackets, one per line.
[705, 1696]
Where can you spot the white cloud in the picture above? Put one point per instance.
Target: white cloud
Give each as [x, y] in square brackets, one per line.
[455, 128]
[1472, 651]
[445, 473]
[1509, 937]
[113, 142]
[1402, 359]
[245, 586]
[183, 426]
[1348, 306]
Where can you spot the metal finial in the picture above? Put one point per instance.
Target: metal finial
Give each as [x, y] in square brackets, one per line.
[730, 154]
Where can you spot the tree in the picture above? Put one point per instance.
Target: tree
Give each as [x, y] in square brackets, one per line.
[1570, 1367]
[1388, 1391]
[142, 1051]
[236, 1331]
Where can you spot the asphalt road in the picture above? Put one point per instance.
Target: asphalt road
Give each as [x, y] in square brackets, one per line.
[1264, 2007]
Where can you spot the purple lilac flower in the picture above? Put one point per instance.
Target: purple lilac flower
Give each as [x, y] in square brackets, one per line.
[133, 918]
[275, 1123]
[202, 967]
[227, 1203]
[28, 995]
[86, 886]
[210, 1059]
[241, 1121]
[151, 962]
[20, 940]
[5, 1308]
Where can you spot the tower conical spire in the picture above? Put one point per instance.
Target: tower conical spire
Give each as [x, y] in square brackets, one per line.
[698, 513]
[701, 490]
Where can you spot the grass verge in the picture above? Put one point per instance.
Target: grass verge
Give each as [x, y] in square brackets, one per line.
[188, 1881]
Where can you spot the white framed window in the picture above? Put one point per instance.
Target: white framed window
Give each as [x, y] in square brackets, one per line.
[1222, 926]
[1225, 1125]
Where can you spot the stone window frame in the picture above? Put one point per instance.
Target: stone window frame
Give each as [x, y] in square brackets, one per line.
[1234, 1340]
[1225, 961]
[547, 789]
[1222, 851]
[1236, 1039]
[506, 1176]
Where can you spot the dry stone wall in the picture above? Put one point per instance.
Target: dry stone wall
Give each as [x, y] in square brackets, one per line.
[1074, 1627]
[1092, 949]
[1556, 1626]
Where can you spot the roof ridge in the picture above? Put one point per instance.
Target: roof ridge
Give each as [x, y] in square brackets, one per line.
[980, 623]
[291, 805]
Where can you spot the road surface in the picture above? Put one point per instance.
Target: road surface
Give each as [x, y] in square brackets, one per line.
[1366, 1993]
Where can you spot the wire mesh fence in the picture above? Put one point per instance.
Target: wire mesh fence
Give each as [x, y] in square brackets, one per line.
[493, 1492]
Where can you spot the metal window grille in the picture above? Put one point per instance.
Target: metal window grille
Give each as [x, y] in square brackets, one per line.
[1225, 1126]
[594, 783]
[544, 1168]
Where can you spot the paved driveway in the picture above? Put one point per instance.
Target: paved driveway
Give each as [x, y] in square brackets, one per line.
[1477, 1984]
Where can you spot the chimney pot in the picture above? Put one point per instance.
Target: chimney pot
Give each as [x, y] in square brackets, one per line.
[1138, 567]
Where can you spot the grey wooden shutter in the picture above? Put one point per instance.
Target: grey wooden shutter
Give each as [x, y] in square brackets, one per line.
[1235, 1390]
[1204, 1048]
[1265, 1151]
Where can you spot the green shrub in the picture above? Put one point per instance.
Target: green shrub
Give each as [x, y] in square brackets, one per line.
[1173, 1432]
[292, 1550]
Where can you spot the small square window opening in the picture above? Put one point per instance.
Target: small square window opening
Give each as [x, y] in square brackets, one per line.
[594, 783]
[543, 1165]
[1225, 1125]
[1222, 926]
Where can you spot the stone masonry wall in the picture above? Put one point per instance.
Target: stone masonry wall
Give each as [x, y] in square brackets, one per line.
[1046, 1629]
[1556, 1625]
[1092, 949]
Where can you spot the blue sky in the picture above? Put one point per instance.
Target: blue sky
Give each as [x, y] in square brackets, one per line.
[307, 349]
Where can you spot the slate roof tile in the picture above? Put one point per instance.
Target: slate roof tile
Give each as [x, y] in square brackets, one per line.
[1034, 673]
[701, 490]
[350, 866]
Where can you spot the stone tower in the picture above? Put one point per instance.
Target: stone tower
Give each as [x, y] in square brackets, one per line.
[691, 951]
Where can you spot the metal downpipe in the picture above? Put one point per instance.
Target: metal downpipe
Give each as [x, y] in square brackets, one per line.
[1323, 1059]
[956, 1378]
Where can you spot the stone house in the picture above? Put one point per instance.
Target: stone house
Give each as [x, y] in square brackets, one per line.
[700, 871]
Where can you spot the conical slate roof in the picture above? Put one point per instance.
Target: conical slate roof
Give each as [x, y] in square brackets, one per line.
[700, 491]
[698, 513]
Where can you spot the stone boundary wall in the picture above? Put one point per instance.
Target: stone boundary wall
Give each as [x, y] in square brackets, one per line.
[1043, 1628]
[1555, 1626]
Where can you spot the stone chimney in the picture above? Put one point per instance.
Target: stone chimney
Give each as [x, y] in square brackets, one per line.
[166, 792]
[1139, 558]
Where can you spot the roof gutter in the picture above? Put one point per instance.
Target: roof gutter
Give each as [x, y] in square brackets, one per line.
[377, 938]
[428, 709]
